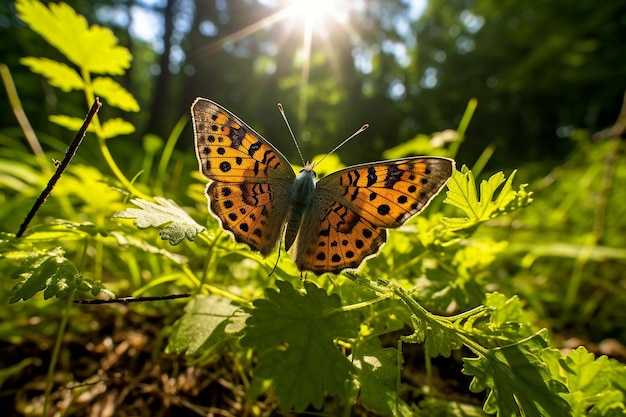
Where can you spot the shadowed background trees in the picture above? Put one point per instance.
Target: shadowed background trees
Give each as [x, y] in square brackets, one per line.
[539, 69]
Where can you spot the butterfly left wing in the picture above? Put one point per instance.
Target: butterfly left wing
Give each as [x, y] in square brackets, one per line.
[352, 207]
[251, 179]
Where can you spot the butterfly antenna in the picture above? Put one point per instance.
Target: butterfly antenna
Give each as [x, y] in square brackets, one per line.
[282, 112]
[361, 130]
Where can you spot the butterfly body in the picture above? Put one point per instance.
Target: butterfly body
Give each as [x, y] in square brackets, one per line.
[302, 192]
[329, 225]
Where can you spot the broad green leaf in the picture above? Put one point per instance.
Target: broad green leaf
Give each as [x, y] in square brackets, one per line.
[377, 376]
[519, 381]
[294, 334]
[57, 73]
[159, 213]
[115, 127]
[91, 48]
[206, 324]
[114, 94]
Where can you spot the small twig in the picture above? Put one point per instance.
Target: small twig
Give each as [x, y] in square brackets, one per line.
[69, 154]
[126, 300]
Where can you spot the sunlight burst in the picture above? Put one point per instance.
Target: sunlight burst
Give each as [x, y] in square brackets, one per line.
[313, 12]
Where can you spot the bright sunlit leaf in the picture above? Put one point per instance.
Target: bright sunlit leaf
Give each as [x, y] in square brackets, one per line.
[58, 74]
[71, 123]
[114, 94]
[115, 127]
[92, 48]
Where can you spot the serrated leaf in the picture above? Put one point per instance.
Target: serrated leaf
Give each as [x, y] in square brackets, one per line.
[92, 48]
[115, 127]
[208, 321]
[48, 271]
[161, 212]
[377, 376]
[114, 94]
[593, 384]
[507, 317]
[294, 334]
[519, 380]
[57, 73]
[462, 194]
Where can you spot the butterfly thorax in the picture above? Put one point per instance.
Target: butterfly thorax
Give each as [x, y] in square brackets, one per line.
[300, 198]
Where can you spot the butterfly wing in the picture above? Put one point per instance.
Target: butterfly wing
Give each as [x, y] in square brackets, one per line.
[251, 179]
[352, 207]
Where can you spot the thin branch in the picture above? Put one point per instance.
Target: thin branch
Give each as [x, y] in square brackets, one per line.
[69, 154]
[126, 300]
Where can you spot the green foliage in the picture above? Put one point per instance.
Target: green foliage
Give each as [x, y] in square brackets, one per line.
[92, 49]
[295, 336]
[377, 377]
[519, 380]
[47, 271]
[208, 323]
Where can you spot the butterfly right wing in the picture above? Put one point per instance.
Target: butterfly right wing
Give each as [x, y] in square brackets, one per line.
[251, 179]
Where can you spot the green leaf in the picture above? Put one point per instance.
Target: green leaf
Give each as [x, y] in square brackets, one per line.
[594, 384]
[508, 319]
[114, 94]
[377, 376]
[71, 123]
[48, 271]
[294, 334]
[115, 127]
[58, 74]
[422, 145]
[159, 213]
[519, 380]
[91, 48]
[462, 193]
[207, 323]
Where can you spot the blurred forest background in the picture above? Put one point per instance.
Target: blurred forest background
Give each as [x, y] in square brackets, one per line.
[543, 72]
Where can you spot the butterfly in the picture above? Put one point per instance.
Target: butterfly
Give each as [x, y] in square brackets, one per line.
[332, 224]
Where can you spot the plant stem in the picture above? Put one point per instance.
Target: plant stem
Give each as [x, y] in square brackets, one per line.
[55, 352]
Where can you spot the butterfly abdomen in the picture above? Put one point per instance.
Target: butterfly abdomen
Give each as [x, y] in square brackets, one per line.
[300, 199]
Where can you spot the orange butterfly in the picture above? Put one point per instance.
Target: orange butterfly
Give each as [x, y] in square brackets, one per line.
[334, 223]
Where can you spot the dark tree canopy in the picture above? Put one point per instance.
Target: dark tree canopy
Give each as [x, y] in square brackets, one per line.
[538, 69]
